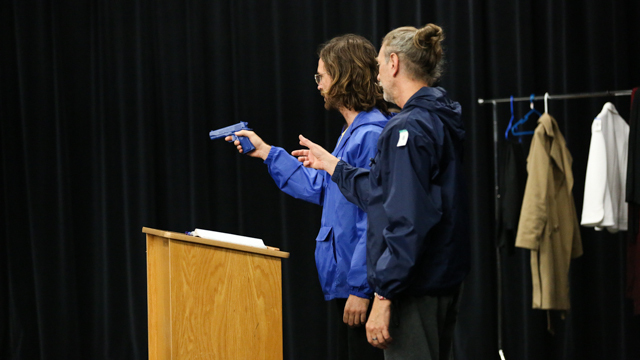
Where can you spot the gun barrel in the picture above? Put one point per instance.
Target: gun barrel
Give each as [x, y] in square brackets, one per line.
[229, 130]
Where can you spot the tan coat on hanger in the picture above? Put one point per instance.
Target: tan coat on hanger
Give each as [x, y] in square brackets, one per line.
[548, 222]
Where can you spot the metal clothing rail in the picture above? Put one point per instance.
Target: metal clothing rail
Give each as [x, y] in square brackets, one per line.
[496, 188]
[560, 97]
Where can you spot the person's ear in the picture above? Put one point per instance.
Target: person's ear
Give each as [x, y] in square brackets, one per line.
[395, 64]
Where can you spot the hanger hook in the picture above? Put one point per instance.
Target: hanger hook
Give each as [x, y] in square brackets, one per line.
[511, 105]
[531, 100]
[546, 105]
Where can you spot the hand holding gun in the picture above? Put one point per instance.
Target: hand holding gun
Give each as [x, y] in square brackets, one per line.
[247, 146]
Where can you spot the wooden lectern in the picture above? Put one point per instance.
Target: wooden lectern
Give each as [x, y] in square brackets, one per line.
[209, 299]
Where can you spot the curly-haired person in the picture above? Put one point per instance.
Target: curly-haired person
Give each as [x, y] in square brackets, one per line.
[347, 79]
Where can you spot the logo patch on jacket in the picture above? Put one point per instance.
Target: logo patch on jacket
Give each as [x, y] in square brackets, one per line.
[404, 136]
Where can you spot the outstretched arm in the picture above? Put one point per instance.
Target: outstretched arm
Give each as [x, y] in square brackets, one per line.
[290, 176]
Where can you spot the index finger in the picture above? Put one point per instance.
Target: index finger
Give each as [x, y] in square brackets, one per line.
[300, 152]
[243, 133]
[305, 142]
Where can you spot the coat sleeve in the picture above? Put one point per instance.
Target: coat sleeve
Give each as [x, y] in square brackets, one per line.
[353, 183]
[293, 178]
[596, 178]
[360, 155]
[412, 205]
[533, 216]
[357, 276]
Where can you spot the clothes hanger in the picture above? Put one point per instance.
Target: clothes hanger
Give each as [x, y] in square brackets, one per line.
[506, 133]
[514, 129]
[546, 106]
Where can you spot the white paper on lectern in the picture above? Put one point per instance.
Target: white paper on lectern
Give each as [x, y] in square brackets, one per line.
[230, 238]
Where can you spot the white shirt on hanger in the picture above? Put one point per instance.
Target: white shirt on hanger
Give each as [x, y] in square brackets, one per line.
[604, 189]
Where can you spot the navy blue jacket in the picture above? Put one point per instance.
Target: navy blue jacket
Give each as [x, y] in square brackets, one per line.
[341, 241]
[415, 200]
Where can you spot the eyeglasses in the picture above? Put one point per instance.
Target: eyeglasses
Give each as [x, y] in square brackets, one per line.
[318, 78]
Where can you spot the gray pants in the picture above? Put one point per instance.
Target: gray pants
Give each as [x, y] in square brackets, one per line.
[422, 328]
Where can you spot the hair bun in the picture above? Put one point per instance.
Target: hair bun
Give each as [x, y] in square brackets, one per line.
[428, 37]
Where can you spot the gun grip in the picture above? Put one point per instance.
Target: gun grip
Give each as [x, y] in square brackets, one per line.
[247, 146]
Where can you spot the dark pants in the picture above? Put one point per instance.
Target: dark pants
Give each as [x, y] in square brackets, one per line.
[422, 327]
[352, 342]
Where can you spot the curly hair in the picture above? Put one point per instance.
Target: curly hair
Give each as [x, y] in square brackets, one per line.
[351, 61]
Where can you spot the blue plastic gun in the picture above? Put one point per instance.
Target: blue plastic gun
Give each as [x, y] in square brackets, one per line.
[247, 146]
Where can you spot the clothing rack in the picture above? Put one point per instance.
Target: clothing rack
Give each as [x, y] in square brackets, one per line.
[496, 190]
[560, 97]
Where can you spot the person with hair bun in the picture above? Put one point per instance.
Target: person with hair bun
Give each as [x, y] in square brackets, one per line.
[414, 195]
[347, 80]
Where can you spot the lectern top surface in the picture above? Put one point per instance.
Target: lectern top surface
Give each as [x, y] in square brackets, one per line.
[222, 244]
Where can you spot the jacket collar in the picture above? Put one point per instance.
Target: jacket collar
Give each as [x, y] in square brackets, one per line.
[363, 117]
[425, 93]
[558, 151]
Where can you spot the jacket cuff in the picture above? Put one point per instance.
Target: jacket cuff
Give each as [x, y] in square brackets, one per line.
[338, 171]
[530, 243]
[384, 293]
[271, 155]
[360, 293]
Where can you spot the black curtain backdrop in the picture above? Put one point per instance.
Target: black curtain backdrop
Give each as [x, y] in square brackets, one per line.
[105, 109]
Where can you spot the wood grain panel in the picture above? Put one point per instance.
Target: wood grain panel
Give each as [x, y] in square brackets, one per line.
[225, 304]
[158, 298]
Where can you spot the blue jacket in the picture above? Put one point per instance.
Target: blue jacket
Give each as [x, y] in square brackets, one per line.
[415, 200]
[341, 242]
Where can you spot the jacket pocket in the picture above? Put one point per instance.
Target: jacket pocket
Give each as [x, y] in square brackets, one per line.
[324, 233]
[325, 260]
[324, 248]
